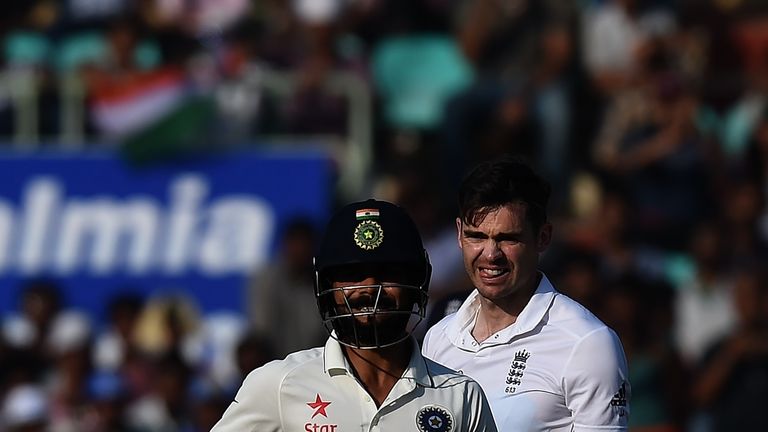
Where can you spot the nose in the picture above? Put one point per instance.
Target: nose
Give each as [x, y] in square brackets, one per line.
[491, 250]
[366, 293]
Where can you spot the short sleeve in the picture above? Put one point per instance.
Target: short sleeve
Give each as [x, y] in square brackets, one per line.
[256, 405]
[477, 410]
[596, 383]
[426, 344]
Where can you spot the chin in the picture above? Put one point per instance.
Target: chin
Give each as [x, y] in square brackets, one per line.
[494, 292]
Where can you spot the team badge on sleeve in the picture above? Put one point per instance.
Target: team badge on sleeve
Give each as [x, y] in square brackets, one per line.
[433, 418]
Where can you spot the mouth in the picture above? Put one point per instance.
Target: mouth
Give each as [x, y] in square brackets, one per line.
[365, 305]
[492, 273]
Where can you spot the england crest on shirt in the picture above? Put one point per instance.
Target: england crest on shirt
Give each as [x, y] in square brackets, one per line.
[516, 371]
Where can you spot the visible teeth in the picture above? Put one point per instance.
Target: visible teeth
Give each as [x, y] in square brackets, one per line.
[494, 272]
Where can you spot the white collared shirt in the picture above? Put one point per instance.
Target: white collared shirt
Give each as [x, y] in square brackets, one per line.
[315, 391]
[557, 368]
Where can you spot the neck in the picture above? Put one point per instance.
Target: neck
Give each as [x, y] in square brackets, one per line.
[490, 320]
[495, 315]
[379, 369]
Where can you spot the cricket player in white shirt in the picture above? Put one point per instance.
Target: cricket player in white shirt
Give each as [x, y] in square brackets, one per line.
[544, 361]
[371, 280]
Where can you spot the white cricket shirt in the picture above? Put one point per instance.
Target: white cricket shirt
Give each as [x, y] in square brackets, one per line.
[557, 368]
[315, 391]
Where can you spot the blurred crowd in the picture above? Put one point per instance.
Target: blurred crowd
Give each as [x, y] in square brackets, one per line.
[649, 117]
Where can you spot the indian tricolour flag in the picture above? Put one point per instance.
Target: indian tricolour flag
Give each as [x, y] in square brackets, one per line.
[366, 213]
[123, 106]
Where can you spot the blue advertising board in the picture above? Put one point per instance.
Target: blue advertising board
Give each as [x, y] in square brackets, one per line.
[97, 225]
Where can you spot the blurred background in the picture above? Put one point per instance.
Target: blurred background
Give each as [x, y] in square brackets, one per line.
[167, 165]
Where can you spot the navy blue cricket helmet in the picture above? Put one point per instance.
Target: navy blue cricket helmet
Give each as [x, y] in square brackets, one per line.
[364, 239]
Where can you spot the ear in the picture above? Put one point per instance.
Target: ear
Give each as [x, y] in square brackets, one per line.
[458, 232]
[544, 237]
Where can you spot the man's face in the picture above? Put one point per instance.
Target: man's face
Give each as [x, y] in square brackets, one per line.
[501, 254]
[363, 296]
[378, 300]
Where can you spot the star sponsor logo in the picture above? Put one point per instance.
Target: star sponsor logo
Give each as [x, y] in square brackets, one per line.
[314, 427]
[433, 418]
[319, 405]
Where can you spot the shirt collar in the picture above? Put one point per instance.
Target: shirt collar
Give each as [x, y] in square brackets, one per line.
[529, 318]
[335, 362]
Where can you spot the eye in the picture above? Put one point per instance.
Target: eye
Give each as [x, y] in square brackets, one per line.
[346, 275]
[511, 239]
[474, 235]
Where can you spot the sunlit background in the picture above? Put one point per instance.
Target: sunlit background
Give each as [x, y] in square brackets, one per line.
[166, 167]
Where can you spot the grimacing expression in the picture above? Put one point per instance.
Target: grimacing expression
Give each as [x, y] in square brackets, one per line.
[501, 253]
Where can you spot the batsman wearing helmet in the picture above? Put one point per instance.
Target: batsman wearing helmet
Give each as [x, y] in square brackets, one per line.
[371, 280]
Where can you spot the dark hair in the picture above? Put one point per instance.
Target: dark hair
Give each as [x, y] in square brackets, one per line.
[493, 184]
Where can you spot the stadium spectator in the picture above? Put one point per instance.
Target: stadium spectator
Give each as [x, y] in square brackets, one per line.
[744, 204]
[632, 107]
[69, 345]
[641, 313]
[41, 303]
[165, 407]
[616, 37]
[650, 144]
[25, 409]
[107, 397]
[169, 323]
[731, 385]
[703, 294]
[253, 351]
[284, 288]
[115, 342]
[519, 102]
[125, 90]
[755, 165]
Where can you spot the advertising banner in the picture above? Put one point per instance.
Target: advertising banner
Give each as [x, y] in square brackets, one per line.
[98, 226]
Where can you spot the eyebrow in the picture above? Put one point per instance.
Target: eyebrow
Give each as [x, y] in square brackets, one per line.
[507, 235]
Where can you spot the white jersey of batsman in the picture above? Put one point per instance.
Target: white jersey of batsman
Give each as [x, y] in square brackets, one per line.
[315, 391]
[557, 368]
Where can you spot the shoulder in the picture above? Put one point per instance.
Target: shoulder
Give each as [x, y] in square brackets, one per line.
[440, 370]
[272, 374]
[443, 376]
[586, 334]
[257, 405]
[597, 356]
[571, 317]
[440, 327]
[438, 336]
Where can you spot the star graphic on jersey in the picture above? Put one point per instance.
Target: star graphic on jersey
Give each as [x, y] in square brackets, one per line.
[319, 406]
[435, 422]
